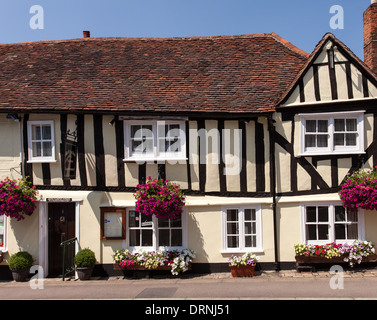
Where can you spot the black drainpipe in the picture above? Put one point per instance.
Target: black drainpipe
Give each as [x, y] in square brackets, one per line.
[271, 130]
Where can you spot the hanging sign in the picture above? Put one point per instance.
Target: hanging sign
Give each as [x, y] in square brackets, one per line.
[70, 156]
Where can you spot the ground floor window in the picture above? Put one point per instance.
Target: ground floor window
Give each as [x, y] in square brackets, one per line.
[323, 223]
[3, 235]
[152, 233]
[241, 228]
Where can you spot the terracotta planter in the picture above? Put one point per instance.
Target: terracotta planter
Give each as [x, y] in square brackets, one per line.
[20, 275]
[242, 271]
[84, 273]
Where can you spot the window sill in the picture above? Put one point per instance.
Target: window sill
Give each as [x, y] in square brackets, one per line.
[41, 161]
[153, 160]
[312, 154]
[239, 251]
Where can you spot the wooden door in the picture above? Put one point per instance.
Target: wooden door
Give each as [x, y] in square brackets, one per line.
[61, 227]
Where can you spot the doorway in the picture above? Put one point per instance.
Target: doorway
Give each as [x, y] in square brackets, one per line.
[61, 227]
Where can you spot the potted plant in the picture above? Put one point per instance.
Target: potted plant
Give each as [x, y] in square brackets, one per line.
[84, 261]
[19, 264]
[243, 266]
[159, 197]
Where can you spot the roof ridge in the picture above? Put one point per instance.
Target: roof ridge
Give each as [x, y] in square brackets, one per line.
[290, 46]
[239, 36]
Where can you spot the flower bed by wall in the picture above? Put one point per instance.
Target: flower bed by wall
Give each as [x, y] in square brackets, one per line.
[351, 253]
[177, 260]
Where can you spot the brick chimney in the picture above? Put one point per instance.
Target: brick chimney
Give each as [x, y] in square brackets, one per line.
[370, 36]
[86, 34]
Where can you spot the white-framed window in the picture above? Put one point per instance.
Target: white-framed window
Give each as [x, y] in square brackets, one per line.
[3, 233]
[41, 141]
[332, 133]
[330, 222]
[154, 140]
[152, 233]
[242, 229]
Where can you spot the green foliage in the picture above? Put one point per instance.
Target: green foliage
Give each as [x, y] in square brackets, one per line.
[20, 260]
[85, 258]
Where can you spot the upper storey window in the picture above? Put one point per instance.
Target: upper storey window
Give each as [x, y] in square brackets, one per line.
[41, 142]
[332, 133]
[155, 140]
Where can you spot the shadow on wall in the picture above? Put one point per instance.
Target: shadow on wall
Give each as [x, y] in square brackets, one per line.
[195, 239]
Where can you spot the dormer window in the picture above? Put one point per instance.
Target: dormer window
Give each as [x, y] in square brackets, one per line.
[332, 133]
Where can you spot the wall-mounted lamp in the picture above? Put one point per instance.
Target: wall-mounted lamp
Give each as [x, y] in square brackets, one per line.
[111, 123]
[13, 116]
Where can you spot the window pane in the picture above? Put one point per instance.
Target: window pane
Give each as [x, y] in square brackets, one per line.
[339, 125]
[36, 132]
[323, 214]
[136, 131]
[311, 214]
[311, 232]
[146, 237]
[340, 232]
[323, 232]
[163, 222]
[137, 146]
[351, 216]
[338, 139]
[352, 231]
[176, 223]
[133, 219]
[232, 215]
[340, 213]
[351, 139]
[47, 149]
[351, 124]
[176, 237]
[311, 126]
[250, 241]
[250, 214]
[163, 237]
[232, 228]
[148, 145]
[37, 149]
[250, 227]
[310, 141]
[46, 132]
[322, 125]
[232, 241]
[147, 131]
[146, 221]
[134, 237]
[322, 141]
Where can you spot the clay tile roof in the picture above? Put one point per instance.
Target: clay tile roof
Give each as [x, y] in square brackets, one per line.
[231, 74]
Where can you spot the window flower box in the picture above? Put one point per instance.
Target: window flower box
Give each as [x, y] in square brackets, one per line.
[332, 253]
[176, 261]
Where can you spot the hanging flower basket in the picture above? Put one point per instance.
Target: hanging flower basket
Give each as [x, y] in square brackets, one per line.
[17, 198]
[359, 190]
[159, 197]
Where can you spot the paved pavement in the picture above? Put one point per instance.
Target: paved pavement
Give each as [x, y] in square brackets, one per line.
[286, 285]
